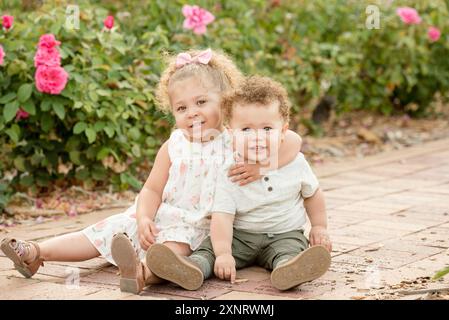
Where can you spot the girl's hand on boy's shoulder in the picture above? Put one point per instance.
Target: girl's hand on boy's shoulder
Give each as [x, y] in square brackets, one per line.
[320, 237]
[244, 173]
[147, 231]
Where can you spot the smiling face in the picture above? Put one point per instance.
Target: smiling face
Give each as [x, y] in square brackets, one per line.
[257, 130]
[196, 108]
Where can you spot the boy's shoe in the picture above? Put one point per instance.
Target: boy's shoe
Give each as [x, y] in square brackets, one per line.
[133, 274]
[309, 265]
[20, 251]
[166, 264]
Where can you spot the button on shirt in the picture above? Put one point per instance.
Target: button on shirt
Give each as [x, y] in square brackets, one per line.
[273, 204]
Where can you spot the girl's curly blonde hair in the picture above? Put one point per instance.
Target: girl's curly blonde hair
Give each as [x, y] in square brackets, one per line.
[221, 70]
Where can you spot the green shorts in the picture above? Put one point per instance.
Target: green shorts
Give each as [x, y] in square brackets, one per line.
[263, 249]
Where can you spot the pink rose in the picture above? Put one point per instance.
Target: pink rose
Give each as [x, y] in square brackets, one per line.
[51, 79]
[2, 55]
[408, 15]
[109, 22]
[196, 18]
[48, 41]
[47, 57]
[21, 114]
[7, 21]
[434, 34]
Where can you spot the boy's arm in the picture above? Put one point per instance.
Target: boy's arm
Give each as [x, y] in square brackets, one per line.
[245, 173]
[316, 211]
[221, 230]
[150, 197]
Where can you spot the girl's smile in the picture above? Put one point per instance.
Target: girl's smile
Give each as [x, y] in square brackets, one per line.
[196, 108]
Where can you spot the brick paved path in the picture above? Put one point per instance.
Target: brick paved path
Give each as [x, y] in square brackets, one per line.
[388, 218]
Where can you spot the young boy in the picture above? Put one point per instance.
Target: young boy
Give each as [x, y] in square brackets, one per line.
[260, 223]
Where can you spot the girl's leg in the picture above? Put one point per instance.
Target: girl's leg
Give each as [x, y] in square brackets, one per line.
[68, 247]
[180, 248]
[168, 261]
[28, 256]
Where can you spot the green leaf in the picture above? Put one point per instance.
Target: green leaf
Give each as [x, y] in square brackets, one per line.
[134, 133]
[26, 181]
[47, 122]
[441, 273]
[79, 127]
[136, 150]
[29, 107]
[46, 105]
[104, 93]
[58, 108]
[99, 173]
[75, 157]
[10, 110]
[99, 126]
[109, 131]
[103, 153]
[131, 180]
[91, 135]
[7, 97]
[19, 163]
[82, 174]
[14, 133]
[24, 92]
[93, 96]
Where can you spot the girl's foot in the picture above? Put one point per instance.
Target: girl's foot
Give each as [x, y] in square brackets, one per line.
[168, 265]
[309, 265]
[24, 254]
[134, 275]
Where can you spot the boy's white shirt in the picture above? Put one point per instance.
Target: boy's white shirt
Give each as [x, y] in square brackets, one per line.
[259, 210]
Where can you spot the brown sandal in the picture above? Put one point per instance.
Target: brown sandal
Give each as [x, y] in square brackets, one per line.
[16, 250]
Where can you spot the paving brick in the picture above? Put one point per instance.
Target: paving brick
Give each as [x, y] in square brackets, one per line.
[393, 223]
[46, 290]
[377, 206]
[5, 264]
[145, 295]
[238, 295]
[210, 289]
[9, 284]
[253, 273]
[96, 263]
[391, 259]
[105, 294]
[436, 237]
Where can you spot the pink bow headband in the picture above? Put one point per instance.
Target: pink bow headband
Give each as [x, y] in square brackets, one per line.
[184, 58]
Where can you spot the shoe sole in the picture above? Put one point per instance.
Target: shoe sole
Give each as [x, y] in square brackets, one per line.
[12, 255]
[307, 266]
[125, 257]
[165, 264]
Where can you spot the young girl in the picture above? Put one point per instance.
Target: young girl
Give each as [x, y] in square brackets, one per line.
[173, 205]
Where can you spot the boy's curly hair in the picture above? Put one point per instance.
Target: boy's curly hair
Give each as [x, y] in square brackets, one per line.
[221, 70]
[257, 90]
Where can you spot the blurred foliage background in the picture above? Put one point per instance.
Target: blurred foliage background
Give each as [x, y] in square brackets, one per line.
[104, 127]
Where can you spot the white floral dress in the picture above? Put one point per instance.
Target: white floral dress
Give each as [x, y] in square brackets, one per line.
[184, 214]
